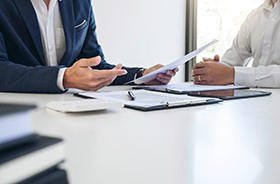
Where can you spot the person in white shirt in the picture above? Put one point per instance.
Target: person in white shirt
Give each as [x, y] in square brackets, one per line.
[259, 39]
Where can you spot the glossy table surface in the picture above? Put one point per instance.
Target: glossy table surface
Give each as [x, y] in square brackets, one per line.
[233, 142]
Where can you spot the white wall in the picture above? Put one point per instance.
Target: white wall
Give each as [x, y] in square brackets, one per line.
[141, 32]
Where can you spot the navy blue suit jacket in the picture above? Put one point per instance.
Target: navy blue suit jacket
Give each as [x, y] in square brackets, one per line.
[22, 63]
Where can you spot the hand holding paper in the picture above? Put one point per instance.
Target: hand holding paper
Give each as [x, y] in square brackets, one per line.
[150, 76]
[162, 78]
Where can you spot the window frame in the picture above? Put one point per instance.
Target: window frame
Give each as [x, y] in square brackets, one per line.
[191, 35]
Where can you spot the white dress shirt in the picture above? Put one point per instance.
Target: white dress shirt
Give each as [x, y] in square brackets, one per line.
[52, 34]
[259, 38]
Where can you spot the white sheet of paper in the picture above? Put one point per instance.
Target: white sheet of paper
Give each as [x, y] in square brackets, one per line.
[173, 65]
[83, 105]
[145, 98]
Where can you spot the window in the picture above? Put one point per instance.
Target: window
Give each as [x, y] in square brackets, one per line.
[221, 20]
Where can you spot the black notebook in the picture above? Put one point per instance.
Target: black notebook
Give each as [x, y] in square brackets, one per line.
[19, 141]
[9, 108]
[15, 125]
[50, 176]
[24, 158]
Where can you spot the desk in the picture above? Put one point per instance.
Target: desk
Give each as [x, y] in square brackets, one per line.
[233, 142]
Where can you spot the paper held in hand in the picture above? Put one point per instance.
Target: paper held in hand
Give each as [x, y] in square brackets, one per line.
[171, 66]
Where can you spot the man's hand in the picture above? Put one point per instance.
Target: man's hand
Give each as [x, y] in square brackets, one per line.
[212, 73]
[80, 75]
[161, 78]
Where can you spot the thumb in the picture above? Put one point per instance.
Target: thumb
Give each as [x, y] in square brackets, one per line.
[118, 70]
[217, 57]
[119, 66]
[94, 61]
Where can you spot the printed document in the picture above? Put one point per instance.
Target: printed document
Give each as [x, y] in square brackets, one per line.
[147, 100]
[173, 65]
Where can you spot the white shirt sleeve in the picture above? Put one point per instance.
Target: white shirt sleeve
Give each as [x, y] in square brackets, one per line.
[257, 39]
[244, 76]
[59, 81]
[240, 49]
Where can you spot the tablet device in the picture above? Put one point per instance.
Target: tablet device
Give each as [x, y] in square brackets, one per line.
[231, 94]
[186, 88]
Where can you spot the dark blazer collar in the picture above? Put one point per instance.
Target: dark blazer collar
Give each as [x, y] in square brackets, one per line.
[29, 17]
[28, 14]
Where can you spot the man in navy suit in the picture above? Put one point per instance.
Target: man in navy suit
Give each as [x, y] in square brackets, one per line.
[48, 46]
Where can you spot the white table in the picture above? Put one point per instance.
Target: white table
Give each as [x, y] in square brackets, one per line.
[233, 142]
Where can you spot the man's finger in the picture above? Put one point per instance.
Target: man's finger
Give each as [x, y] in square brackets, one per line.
[102, 83]
[94, 61]
[198, 71]
[217, 57]
[109, 73]
[157, 66]
[163, 76]
[199, 65]
[170, 73]
[118, 66]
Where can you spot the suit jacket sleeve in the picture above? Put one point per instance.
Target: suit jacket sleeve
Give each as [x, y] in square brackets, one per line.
[21, 78]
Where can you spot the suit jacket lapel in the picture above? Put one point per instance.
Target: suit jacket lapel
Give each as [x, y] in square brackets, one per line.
[29, 17]
[67, 16]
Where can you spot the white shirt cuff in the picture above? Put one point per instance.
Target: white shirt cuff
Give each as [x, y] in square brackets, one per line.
[245, 76]
[59, 81]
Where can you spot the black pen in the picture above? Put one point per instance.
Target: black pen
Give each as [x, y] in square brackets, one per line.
[131, 96]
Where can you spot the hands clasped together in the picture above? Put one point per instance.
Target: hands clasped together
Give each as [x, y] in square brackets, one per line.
[212, 72]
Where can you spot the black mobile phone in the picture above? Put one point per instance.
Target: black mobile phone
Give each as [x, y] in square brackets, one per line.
[231, 94]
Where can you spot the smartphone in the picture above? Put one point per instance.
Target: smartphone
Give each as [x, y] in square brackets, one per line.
[231, 94]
